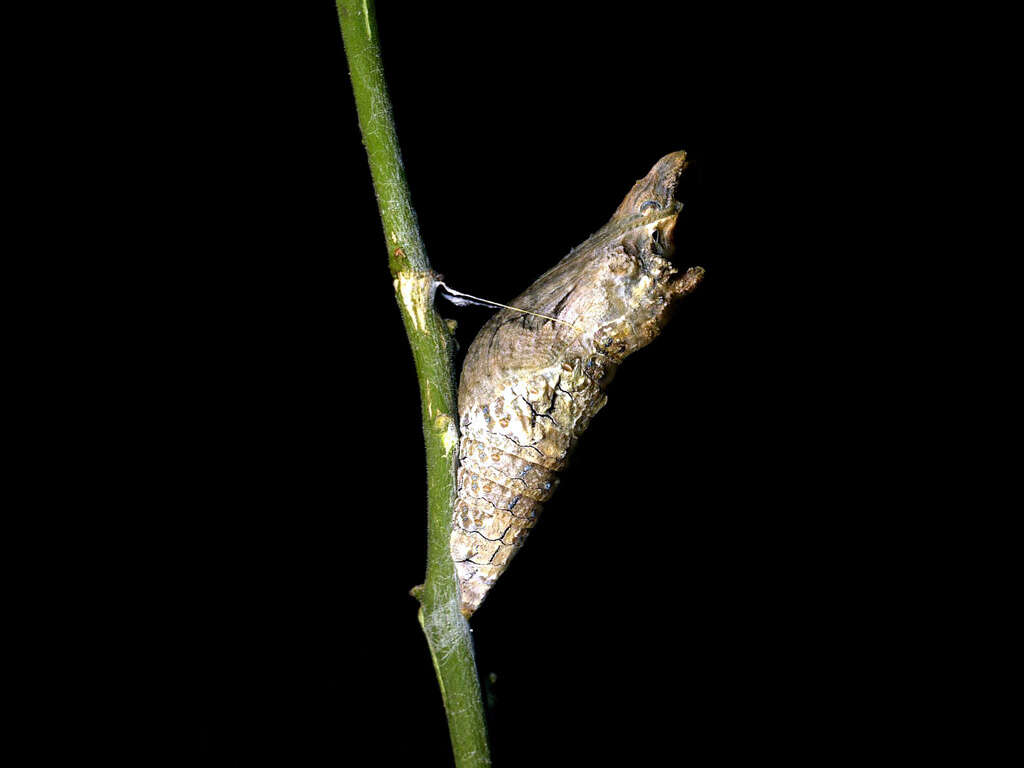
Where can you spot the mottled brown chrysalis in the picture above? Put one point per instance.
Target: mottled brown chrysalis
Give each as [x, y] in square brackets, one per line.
[532, 382]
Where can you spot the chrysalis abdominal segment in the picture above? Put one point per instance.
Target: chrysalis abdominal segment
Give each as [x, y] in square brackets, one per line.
[530, 387]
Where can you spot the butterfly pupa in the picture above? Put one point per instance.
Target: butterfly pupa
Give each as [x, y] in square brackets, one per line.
[530, 385]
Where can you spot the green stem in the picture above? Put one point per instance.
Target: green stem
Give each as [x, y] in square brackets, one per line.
[447, 631]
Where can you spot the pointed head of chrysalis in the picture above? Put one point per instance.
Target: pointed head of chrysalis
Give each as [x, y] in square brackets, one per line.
[634, 272]
[653, 198]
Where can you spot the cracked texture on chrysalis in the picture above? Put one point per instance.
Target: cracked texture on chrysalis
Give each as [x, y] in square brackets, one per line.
[530, 385]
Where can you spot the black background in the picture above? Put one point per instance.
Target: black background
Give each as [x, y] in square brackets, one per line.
[687, 594]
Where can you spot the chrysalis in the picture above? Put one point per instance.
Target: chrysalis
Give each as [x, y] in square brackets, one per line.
[530, 385]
